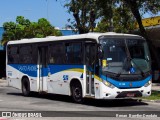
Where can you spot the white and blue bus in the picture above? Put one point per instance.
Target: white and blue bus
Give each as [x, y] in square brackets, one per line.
[95, 65]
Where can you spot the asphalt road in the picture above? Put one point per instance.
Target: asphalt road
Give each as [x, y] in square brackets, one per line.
[62, 107]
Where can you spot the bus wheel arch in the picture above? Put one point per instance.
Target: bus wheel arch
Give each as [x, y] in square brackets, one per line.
[25, 86]
[76, 90]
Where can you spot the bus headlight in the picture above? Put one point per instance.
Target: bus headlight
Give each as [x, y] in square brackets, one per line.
[148, 83]
[108, 84]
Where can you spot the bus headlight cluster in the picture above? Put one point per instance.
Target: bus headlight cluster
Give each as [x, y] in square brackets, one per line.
[148, 83]
[108, 84]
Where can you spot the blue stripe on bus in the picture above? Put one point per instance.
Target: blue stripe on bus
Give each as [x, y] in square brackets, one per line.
[31, 69]
[127, 84]
[58, 68]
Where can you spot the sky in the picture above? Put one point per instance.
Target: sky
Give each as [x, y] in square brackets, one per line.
[34, 10]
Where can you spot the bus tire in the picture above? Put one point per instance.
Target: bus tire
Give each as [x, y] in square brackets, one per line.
[25, 87]
[76, 90]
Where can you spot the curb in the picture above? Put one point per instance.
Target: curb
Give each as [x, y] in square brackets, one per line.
[156, 84]
[3, 80]
[3, 83]
[152, 101]
[4, 118]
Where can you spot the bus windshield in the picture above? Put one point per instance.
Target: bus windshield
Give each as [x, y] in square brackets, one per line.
[125, 55]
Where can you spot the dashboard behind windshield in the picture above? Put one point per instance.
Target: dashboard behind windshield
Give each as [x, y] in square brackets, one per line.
[116, 52]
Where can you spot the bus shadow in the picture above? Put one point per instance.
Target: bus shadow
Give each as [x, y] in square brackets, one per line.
[88, 102]
[114, 103]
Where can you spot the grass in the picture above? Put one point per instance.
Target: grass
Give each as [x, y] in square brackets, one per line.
[154, 96]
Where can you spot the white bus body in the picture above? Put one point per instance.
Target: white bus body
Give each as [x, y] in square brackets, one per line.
[76, 66]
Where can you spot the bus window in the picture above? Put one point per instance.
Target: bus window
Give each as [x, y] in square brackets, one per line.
[13, 55]
[74, 53]
[57, 54]
[34, 53]
[26, 54]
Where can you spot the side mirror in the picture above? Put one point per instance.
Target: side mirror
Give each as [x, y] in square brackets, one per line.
[100, 56]
[100, 53]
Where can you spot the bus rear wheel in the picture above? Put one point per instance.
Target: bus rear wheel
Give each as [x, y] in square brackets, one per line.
[77, 93]
[25, 87]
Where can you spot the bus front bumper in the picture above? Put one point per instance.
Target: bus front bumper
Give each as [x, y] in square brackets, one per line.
[116, 93]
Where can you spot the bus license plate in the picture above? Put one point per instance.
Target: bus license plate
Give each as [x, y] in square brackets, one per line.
[130, 95]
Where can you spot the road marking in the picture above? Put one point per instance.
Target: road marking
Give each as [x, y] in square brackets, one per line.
[4, 119]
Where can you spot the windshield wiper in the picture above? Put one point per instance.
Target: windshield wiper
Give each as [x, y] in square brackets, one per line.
[129, 59]
[113, 74]
[118, 74]
[142, 73]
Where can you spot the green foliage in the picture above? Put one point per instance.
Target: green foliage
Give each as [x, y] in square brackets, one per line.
[24, 28]
[123, 20]
[154, 96]
[85, 12]
[22, 21]
[120, 15]
[119, 19]
[102, 26]
[145, 6]
[115, 15]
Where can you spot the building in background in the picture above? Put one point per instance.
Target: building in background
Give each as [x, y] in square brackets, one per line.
[66, 32]
[152, 26]
[1, 32]
[2, 56]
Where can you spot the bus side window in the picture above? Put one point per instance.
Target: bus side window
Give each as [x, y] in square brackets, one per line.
[77, 51]
[74, 53]
[26, 54]
[57, 54]
[13, 54]
[10, 59]
[87, 55]
[34, 53]
[51, 54]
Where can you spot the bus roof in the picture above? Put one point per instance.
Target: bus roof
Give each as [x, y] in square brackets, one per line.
[72, 37]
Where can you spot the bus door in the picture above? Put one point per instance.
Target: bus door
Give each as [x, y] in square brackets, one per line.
[42, 68]
[90, 54]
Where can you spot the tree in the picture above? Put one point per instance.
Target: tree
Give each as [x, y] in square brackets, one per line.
[84, 12]
[137, 8]
[119, 20]
[123, 20]
[102, 26]
[106, 8]
[152, 6]
[125, 9]
[24, 28]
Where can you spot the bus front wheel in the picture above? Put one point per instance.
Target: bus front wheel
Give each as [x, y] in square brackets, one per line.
[25, 87]
[77, 93]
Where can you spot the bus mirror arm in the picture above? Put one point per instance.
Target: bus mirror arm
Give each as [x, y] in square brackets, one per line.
[100, 52]
[99, 62]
